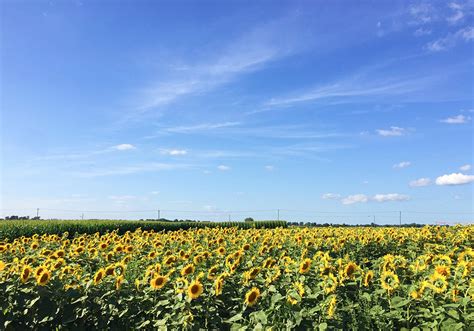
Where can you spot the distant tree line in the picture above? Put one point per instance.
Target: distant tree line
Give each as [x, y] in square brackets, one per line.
[19, 218]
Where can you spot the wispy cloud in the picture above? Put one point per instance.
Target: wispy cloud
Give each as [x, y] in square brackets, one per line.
[174, 152]
[465, 34]
[201, 127]
[362, 198]
[269, 167]
[124, 147]
[390, 197]
[401, 165]
[248, 53]
[356, 198]
[331, 196]
[394, 131]
[465, 167]
[223, 167]
[349, 89]
[458, 119]
[420, 182]
[131, 169]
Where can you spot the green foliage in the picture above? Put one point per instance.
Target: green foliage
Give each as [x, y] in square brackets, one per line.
[18, 228]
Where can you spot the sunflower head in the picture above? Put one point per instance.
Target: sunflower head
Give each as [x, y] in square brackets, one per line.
[187, 270]
[99, 275]
[389, 281]
[368, 278]
[44, 277]
[252, 296]
[305, 266]
[158, 282]
[195, 289]
[350, 270]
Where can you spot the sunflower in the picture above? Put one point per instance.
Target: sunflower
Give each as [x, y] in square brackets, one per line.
[350, 270]
[332, 307]
[211, 274]
[368, 278]
[218, 284]
[304, 266]
[180, 285]
[195, 289]
[2, 265]
[44, 277]
[442, 270]
[252, 296]
[330, 283]
[25, 273]
[158, 282]
[187, 270]
[119, 281]
[438, 283]
[221, 250]
[291, 299]
[389, 280]
[300, 288]
[110, 270]
[99, 275]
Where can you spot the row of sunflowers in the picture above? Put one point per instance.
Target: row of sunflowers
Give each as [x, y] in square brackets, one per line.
[229, 278]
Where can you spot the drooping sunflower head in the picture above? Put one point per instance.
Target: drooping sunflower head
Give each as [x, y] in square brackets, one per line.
[25, 273]
[187, 270]
[119, 281]
[305, 266]
[44, 277]
[368, 278]
[99, 275]
[252, 296]
[350, 270]
[195, 289]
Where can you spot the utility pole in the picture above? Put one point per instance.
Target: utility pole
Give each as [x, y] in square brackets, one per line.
[82, 216]
[37, 212]
[158, 214]
[400, 216]
[229, 217]
[278, 211]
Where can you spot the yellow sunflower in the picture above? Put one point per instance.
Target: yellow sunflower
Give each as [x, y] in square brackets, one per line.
[187, 270]
[389, 280]
[99, 275]
[252, 296]
[25, 273]
[350, 270]
[305, 266]
[158, 282]
[368, 278]
[44, 277]
[195, 289]
[332, 307]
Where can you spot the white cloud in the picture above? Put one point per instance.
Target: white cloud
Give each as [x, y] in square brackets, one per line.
[120, 199]
[390, 197]
[356, 198]
[457, 15]
[454, 179]
[422, 32]
[201, 127]
[131, 169]
[269, 168]
[422, 13]
[465, 167]
[124, 147]
[331, 196]
[155, 192]
[223, 167]
[392, 132]
[353, 87]
[402, 165]
[466, 34]
[174, 152]
[459, 119]
[420, 182]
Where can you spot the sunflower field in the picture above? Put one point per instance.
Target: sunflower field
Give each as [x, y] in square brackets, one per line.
[232, 279]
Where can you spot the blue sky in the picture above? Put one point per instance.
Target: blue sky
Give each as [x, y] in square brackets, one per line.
[325, 109]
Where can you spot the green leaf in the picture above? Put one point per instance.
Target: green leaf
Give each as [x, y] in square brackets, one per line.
[323, 326]
[234, 318]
